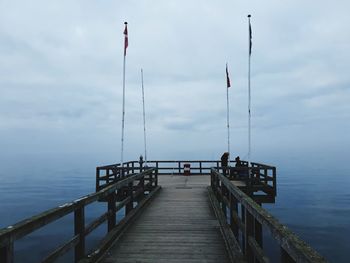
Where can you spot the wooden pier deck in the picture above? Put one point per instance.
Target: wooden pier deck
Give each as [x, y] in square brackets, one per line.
[178, 226]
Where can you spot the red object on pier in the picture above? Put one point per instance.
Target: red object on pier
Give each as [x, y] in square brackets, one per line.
[187, 169]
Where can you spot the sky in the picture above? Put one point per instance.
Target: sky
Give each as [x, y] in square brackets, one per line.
[61, 66]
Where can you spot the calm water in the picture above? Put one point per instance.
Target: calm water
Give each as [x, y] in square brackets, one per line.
[314, 201]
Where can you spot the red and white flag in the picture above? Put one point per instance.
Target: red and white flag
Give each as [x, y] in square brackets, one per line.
[126, 41]
[227, 78]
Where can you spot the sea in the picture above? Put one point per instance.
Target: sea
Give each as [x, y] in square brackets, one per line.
[313, 200]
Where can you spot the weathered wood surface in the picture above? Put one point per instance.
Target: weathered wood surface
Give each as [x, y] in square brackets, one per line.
[178, 226]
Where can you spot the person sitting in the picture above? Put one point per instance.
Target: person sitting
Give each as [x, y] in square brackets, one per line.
[238, 162]
[240, 172]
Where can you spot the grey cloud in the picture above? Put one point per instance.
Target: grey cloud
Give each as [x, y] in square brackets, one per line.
[61, 68]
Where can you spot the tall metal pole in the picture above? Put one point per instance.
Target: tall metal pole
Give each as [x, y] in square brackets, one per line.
[123, 107]
[228, 126]
[144, 117]
[123, 117]
[228, 114]
[249, 95]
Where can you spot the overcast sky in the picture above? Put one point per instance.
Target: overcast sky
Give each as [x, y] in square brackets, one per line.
[61, 78]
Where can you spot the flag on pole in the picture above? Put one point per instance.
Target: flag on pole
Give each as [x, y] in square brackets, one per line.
[250, 37]
[126, 41]
[227, 78]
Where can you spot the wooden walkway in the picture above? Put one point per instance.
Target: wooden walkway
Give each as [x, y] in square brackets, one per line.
[179, 225]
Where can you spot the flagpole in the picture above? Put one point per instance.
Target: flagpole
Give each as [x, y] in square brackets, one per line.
[144, 117]
[249, 95]
[228, 116]
[123, 107]
[228, 126]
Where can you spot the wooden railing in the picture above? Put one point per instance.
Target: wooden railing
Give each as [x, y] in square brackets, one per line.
[135, 188]
[248, 222]
[263, 177]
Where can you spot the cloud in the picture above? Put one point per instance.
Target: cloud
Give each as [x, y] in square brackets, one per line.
[61, 75]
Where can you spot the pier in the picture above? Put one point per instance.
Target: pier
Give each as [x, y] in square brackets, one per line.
[173, 211]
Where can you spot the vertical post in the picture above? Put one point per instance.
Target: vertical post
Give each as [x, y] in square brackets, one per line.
[258, 231]
[107, 176]
[156, 178]
[223, 204]
[228, 116]
[285, 257]
[243, 232]
[129, 206]
[6, 253]
[112, 218]
[249, 232]
[150, 180]
[79, 229]
[274, 181]
[249, 95]
[200, 168]
[234, 210]
[144, 116]
[97, 179]
[133, 167]
[142, 185]
[217, 185]
[179, 168]
[126, 42]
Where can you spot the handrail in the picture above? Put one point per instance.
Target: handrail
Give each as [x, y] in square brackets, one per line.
[252, 218]
[264, 175]
[127, 194]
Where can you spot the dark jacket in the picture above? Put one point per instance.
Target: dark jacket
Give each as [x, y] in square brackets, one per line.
[224, 160]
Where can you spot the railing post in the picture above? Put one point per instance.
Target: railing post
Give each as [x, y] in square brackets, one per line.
[285, 258]
[249, 232]
[150, 180]
[243, 232]
[133, 167]
[258, 232]
[233, 210]
[79, 229]
[223, 194]
[274, 180]
[6, 253]
[129, 206]
[265, 175]
[156, 178]
[179, 168]
[97, 179]
[142, 185]
[107, 175]
[112, 218]
[200, 168]
[217, 184]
